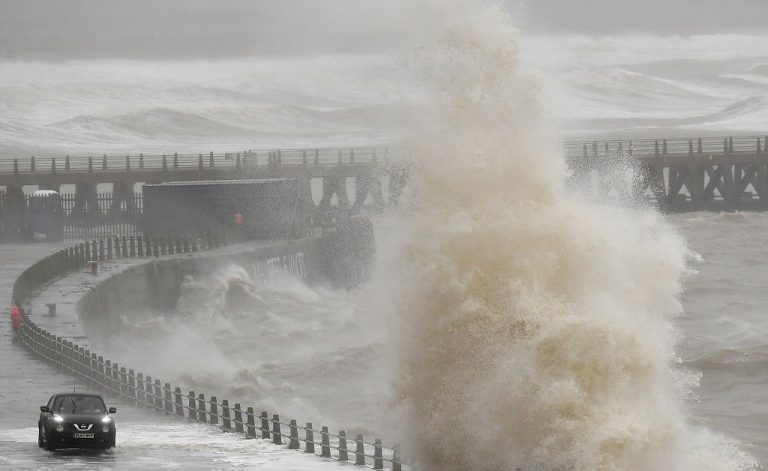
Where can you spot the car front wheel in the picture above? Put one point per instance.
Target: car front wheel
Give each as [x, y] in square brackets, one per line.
[50, 443]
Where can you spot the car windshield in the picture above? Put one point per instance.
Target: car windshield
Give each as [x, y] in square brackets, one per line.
[79, 405]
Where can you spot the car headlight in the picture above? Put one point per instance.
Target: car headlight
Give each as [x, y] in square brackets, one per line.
[107, 419]
[59, 419]
[59, 428]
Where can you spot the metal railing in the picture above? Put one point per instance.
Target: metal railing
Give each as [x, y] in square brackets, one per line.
[251, 158]
[135, 388]
[668, 147]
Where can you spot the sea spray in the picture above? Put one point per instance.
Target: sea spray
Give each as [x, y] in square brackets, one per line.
[537, 327]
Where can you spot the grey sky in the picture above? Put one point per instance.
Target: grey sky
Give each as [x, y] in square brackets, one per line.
[31, 29]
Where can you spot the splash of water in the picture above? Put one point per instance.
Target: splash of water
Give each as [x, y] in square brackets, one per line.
[537, 326]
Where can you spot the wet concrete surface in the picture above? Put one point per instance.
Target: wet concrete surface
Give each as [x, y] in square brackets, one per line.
[145, 439]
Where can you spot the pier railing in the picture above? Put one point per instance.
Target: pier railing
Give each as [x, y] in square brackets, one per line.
[667, 147]
[200, 161]
[136, 388]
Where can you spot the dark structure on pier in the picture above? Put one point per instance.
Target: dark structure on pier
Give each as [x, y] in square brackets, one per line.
[89, 213]
[679, 174]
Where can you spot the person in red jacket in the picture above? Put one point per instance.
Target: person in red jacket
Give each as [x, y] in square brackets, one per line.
[15, 318]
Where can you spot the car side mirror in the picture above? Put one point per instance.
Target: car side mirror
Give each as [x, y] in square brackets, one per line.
[113, 410]
[44, 409]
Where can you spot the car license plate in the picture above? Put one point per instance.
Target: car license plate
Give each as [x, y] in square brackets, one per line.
[83, 435]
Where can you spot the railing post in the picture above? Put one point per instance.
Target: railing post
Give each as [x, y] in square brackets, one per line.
[340, 159]
[343, 455]
[177, 402]
[264, 425]
[378, 457]
[192, 412]
[90, 164]
[396, 464]
[149, 395]
[226, 421]
[214, 412]
[325, 443]
[730, 144]
[104, 162]
[141, 161]
[251, 423]
[210, 160]
[201, 408]
[165, 163]
[15, 166]
[293, 442]
[175, 160]
[304, 158]
[277, 434]
[132, 387]
[359, 451]
[127, 163]
[317, 157]
[200, 162]
[32, 164]
[238, 418]
[309, 439]
[108, 386]
[66, 163]
[700, 147]
[352, 155]
[123, 382]
[100, 375]
[141, 398]
[168, 401]
[656, 148]
[664, 146]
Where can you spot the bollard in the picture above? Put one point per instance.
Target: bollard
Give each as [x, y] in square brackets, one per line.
[359, 451]
[251, 427]
[325, 443]
[149, 400]
[201, 408]
[94, 266]
[214, 412]
[192, 412]
[132, 387]
[178, 403]
[378, 457]
[107, 376]
[264, 425]
[123, 382]
[309, 439]
[238, 418]
[225, 418]
[396, 464]
[140, 397]
[277, 434]
[158, 395]
[293, 442]
[343, 456]
[168, 402]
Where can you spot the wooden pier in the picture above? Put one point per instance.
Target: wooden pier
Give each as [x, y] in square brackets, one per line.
[682, 174]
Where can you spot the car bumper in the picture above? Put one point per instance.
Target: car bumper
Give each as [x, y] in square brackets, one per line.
[67, 440]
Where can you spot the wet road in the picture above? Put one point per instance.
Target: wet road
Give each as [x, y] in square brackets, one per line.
[145, 439]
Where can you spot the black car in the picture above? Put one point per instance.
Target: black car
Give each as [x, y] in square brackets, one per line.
[76, 420]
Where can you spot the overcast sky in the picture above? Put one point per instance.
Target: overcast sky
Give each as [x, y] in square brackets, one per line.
[59, 29]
